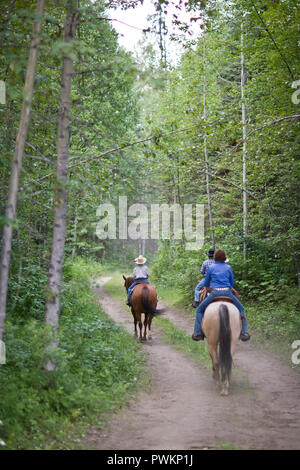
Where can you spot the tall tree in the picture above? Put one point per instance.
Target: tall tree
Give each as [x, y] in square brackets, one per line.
[159, 23]
[244, 144]
[11, 205]
[52, 307]
[209, 205]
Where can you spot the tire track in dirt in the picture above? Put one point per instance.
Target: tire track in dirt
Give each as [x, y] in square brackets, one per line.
[183, 410]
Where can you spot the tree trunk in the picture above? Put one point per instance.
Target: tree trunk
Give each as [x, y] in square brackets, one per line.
[52, 307]
[11, 205]
[210, 216]
[244, 144]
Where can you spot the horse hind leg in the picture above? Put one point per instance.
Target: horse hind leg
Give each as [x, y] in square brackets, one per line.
[215, 363]
[146, 324]
[135, 322]
[135, 328]
[141, 330]
[149, 326]
[138, 321]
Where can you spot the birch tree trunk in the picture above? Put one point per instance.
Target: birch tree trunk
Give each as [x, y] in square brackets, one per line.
[209, 206]
[244, 144]
[52, 307]
[11, 206]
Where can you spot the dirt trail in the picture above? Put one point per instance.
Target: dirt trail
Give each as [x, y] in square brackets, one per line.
[183, 409]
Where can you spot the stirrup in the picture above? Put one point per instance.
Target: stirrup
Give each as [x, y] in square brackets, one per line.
[199, 337]
[245, 336]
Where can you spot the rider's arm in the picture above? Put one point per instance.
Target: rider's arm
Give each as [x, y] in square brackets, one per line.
[207, 278]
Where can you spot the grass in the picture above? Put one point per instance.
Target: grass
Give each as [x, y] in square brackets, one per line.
[271, 328]
[227, 446]
[173, 297]
[198, 351]
[115, 287]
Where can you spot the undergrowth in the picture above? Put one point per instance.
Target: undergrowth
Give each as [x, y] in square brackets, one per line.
[98, 364]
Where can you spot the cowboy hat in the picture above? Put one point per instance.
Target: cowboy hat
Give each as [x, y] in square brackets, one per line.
[140, 260]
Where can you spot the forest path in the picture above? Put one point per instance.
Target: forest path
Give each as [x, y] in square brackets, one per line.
[183, 410]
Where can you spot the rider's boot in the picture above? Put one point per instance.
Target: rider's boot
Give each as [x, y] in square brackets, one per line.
[199, 337]
[244, 336]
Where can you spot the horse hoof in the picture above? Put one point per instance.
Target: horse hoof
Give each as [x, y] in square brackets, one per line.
[224, 393]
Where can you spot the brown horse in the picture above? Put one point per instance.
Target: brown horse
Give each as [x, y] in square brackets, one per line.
[222, 326]
[143, 300]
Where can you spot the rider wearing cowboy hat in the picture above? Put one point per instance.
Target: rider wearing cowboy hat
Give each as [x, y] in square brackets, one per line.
[140, 274]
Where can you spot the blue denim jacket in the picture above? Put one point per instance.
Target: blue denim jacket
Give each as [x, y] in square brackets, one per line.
[219, 275]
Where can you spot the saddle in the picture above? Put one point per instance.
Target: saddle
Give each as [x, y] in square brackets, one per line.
[140, 282]
[205, 292]
[224, 299]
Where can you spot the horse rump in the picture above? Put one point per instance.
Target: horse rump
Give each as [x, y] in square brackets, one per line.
[146, 302]
[225, 358]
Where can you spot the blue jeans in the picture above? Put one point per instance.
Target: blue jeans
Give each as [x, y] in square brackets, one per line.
[198, 289]
[217, 293]
[137, 281]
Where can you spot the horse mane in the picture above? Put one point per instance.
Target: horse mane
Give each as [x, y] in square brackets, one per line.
[128, 281]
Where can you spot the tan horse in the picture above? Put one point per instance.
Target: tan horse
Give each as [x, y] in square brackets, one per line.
[143, 300]
[222, 327]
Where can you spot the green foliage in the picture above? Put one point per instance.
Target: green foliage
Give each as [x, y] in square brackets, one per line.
[272, 147]
[98, 364]
[26, 291]
[277, 318]
[174, 266]
[104, 114]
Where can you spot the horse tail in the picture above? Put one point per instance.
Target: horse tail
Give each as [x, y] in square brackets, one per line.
[225, 359]
[147, 304]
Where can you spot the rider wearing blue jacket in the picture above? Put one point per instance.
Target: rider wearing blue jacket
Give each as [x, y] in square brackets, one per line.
[219, 277]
